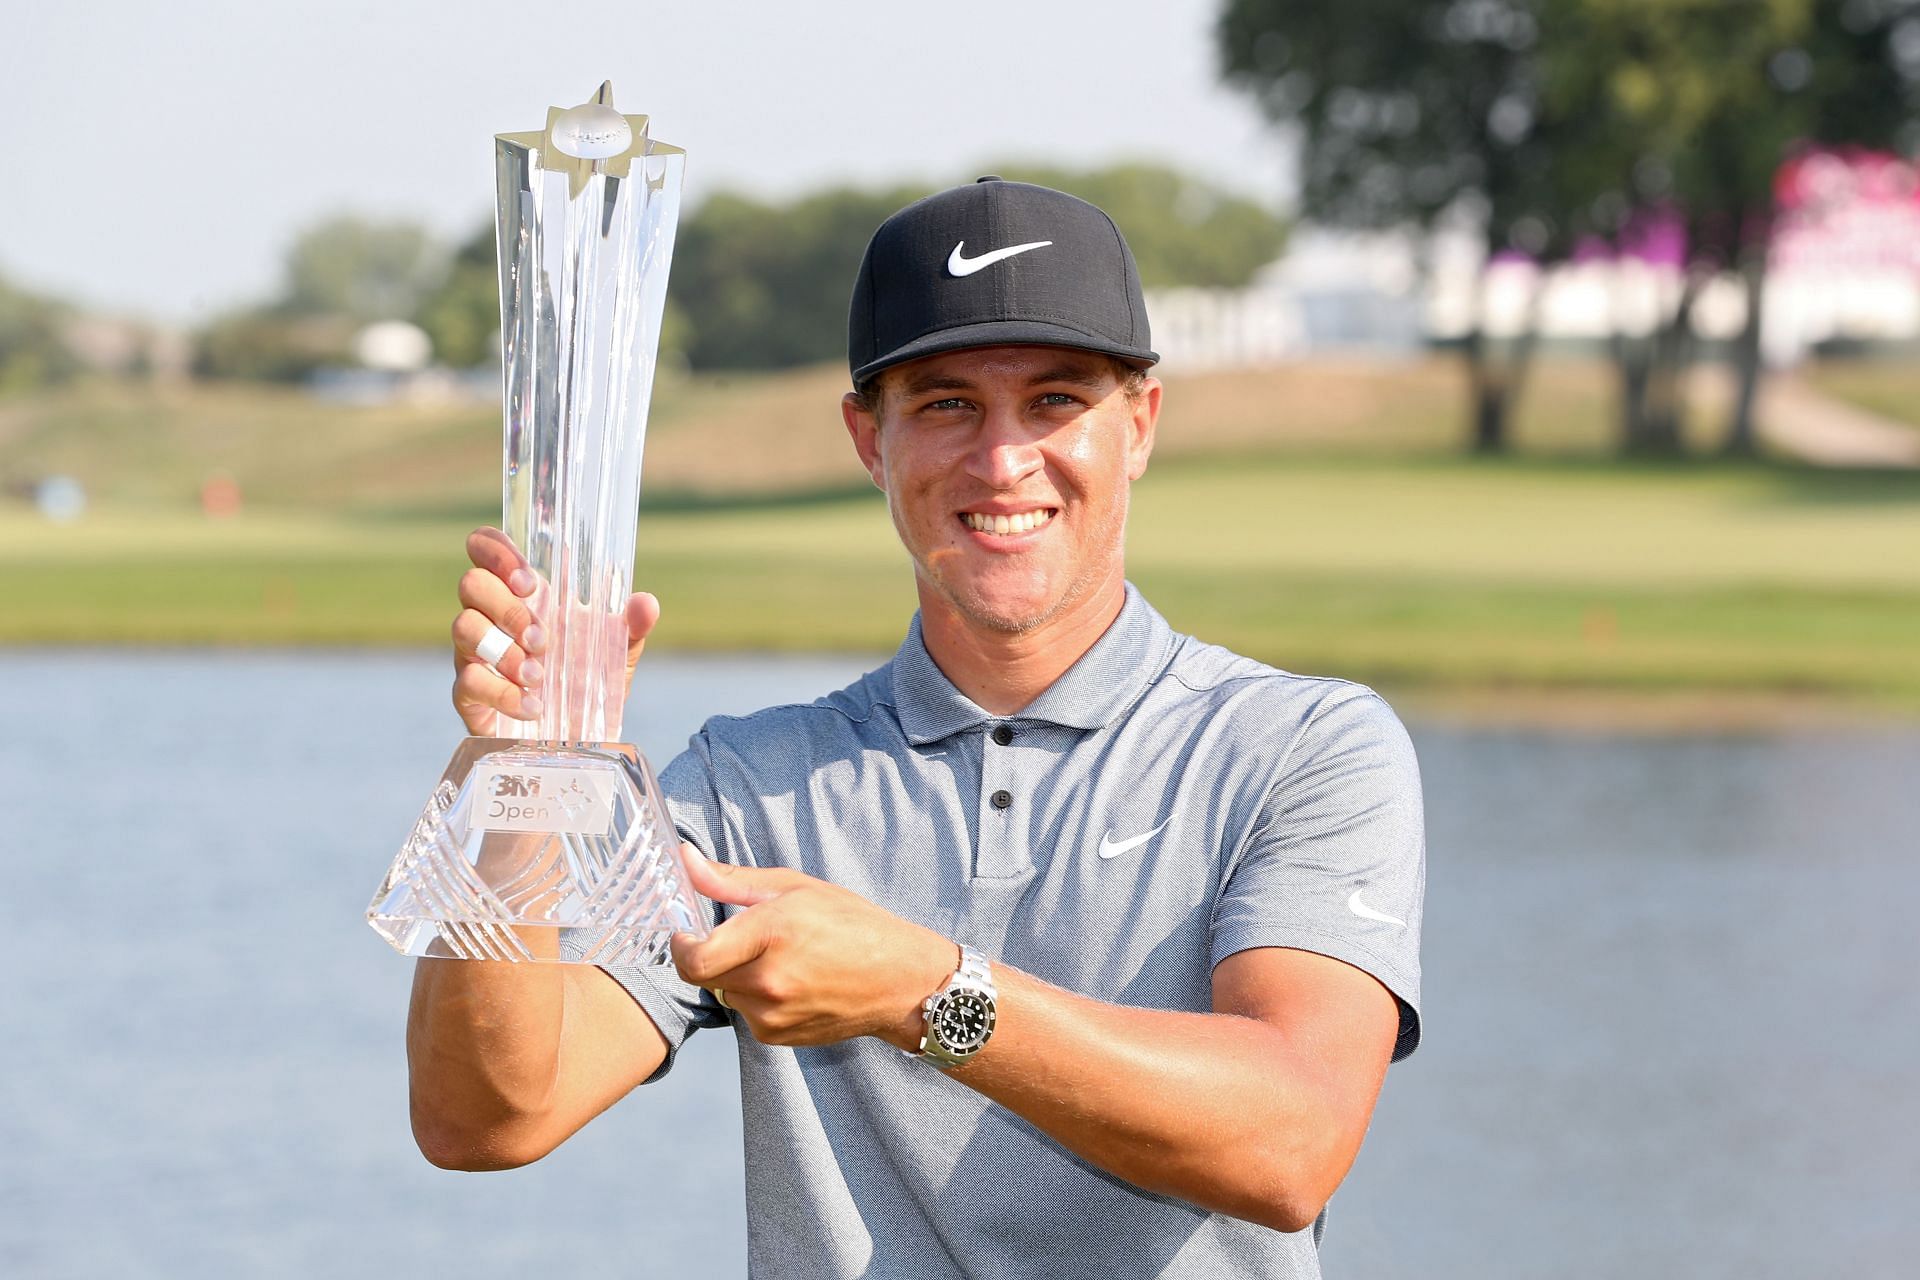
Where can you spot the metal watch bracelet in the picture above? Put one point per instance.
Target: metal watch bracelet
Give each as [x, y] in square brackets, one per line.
[959, 1017]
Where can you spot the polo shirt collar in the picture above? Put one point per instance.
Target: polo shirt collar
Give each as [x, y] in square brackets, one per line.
[1091, 694]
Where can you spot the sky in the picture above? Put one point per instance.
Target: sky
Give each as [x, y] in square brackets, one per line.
[157, 159]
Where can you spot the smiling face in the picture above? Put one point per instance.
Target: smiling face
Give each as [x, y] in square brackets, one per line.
[1007, 470]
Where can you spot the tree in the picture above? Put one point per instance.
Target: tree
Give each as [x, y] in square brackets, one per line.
[1182, 231]
[1715, 96]
[462, 315]
[265, 344]
[1667, 78]
[1640, 124]
[765, 285]
[1408, 111]
[339, 276]
[32, 351]
[361, 271]
[1852, 80]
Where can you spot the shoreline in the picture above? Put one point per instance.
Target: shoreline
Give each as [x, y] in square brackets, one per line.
[1587, 711]
[1577, 709]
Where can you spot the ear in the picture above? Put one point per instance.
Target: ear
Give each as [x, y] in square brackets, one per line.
[1146, 418]
[864, 427]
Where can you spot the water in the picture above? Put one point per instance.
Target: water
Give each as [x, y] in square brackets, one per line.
[1669, 1025]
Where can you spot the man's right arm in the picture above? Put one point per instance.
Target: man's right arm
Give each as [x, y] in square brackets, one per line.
[506, 1060]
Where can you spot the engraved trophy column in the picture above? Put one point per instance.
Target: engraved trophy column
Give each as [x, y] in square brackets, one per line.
[551, 841]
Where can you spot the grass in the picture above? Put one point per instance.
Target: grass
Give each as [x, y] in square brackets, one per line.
[1318, 518]
[712, 437]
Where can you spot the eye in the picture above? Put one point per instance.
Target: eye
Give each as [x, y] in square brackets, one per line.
[1058, 399]
[943, 407]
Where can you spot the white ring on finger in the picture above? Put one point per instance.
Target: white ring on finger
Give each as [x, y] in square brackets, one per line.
[493, 646]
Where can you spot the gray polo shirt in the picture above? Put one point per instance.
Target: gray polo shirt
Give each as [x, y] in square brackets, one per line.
[1165, 804]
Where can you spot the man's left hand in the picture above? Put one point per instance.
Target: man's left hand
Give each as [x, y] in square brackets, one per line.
[808, 962]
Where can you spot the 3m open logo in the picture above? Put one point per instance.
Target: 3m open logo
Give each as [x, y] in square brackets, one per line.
[554, 799]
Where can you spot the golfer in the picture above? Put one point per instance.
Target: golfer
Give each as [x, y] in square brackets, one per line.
[1062, 944]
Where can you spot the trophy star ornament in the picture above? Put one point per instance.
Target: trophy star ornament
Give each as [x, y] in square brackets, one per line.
[593, 130]
[551, 840]
[591, 138]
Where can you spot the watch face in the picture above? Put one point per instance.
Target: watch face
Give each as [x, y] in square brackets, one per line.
[962, 1021]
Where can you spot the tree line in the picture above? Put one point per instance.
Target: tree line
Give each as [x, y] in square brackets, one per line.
[1556, 127]
[756, 283]
[32, 351]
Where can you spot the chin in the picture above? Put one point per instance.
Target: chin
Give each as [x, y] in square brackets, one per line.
[1009, 608]
[1007, 620]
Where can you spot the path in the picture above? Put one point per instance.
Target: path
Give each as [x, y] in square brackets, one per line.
[1808, 424]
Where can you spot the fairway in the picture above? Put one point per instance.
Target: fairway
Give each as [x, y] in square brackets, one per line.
[1429, 573]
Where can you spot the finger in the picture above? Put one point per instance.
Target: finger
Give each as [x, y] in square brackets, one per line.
[643, 612]
[478, 693]
[489, 597]
[740, 886]
[707, 961]
[744, 1006]
[471, 628]
[493, 551]
[763, 994]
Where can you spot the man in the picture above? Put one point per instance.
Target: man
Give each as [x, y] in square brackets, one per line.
[1062, 944]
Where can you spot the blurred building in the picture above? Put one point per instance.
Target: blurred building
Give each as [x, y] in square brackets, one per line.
[1845, 272]
[1334, 292]
[396, 366]
[1846, 258]
[122, 347]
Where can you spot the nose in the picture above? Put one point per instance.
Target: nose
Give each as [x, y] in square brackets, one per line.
[1004, 452]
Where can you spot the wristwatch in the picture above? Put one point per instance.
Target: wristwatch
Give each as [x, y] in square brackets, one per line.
[959, 1015]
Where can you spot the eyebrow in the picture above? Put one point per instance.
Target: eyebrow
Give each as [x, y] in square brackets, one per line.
[1078, 375]
[1072, 374]
[935, 382]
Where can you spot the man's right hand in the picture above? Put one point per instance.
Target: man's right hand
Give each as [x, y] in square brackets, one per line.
[501, 590]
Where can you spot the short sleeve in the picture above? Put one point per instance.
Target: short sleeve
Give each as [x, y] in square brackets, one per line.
[1335, 860]
[677, 1007]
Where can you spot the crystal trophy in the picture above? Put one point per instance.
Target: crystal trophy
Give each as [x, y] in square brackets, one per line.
[550, 840]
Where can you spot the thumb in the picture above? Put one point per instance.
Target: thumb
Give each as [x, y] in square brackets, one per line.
[737, 886]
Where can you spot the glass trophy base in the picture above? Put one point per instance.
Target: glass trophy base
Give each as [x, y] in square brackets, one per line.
[545, 851]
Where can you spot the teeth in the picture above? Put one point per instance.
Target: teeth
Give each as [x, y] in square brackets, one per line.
[1022, 523]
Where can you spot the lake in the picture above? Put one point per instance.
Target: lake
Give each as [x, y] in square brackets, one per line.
[1670, 1027]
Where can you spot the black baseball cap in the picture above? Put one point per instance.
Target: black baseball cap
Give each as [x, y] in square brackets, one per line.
[995, 263]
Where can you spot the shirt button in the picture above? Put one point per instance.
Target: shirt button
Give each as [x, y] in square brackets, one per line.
[1002, 734]
[1001, 799]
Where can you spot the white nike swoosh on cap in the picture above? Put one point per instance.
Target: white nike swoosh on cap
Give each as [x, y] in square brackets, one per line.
[958, 264]
[1108, 849]
[1366, 912]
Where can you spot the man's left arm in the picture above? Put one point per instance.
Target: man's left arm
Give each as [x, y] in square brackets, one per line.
[1254, 1110]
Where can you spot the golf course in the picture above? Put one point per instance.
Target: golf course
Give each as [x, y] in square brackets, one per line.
[1321, 517]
